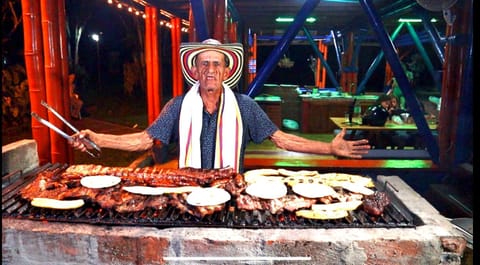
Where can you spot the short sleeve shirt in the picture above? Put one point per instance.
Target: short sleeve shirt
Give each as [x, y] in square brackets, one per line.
[257, 127]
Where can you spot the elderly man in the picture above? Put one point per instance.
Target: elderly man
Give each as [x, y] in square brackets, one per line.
[213, 124]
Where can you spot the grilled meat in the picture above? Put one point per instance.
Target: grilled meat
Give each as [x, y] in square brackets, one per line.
[375, 204]
[288, 202]
[179, 201]
[155, 177]
[66, 185]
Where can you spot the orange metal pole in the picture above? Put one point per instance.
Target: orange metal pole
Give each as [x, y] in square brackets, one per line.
[53, 71]
[323, 71]
[157, 89]
[388, 73]
[176, 68]
[148, 64]
[318, 67]
[32, 32]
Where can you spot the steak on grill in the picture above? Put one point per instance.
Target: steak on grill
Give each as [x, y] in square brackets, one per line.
[375, 204]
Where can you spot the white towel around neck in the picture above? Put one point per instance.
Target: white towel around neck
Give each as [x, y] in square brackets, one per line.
[229, 135]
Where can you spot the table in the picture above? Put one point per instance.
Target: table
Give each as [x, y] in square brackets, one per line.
[389, 125]
[378, 137]
[382, 136]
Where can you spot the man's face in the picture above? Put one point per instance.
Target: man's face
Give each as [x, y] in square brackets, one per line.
[210, 70]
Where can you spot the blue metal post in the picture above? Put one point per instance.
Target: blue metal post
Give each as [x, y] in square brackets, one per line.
[394, 61]
[320, 56]
[375, 63]
[281, 47]
[201, 25]
[432, 33]
[424, 54]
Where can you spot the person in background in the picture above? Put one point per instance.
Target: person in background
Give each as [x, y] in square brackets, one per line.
[76, 103]
[395, 88]
[211, 123]
[382, 139]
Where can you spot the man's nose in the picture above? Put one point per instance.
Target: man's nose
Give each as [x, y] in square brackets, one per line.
[211, 68]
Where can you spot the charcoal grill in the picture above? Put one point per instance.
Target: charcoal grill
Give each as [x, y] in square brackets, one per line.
[396, 215]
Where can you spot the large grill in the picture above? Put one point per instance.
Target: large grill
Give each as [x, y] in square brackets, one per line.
[396, 215]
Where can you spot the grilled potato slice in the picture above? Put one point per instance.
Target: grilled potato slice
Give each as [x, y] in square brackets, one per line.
[322, 215]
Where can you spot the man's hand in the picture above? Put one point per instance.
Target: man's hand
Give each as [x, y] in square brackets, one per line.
[78, 139]
[352, 149]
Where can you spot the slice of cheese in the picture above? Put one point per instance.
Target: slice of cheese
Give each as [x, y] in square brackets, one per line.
[57, 204]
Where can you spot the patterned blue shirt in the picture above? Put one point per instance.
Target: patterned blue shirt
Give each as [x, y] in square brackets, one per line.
[257, 127]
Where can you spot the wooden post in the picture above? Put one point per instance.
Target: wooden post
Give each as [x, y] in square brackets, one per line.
[64, 65]
[33, 48]
[219, 23]
[455, 57]
[156, 71]
[53, 73]
[176, 67]
[148, 64]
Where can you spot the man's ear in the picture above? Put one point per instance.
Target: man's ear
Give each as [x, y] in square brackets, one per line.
[195, 73]
[226, 73]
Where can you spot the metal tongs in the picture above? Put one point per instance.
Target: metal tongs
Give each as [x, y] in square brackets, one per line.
[92, 148]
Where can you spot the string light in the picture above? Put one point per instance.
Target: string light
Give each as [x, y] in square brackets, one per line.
[162, 12]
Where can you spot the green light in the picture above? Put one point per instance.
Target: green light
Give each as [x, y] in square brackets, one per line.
[284, 19]
[414, 20]
[290, 19]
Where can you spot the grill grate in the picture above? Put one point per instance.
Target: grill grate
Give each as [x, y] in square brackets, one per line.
[396, 215]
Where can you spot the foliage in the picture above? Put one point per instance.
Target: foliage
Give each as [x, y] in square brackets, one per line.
[15, 97]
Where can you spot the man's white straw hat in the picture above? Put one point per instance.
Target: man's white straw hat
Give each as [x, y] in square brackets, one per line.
[232, 51]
